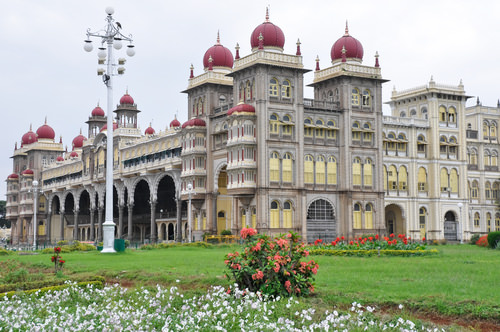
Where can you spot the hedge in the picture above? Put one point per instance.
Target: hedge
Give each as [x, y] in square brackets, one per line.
[30, 285]
[373, 252]
[41, 291]
[493, 239]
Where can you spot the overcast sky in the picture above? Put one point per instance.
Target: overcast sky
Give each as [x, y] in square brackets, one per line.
[46, 73]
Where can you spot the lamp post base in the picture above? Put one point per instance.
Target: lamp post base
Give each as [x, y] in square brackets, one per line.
[108, 232]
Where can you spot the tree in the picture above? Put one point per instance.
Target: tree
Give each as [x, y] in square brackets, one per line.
[3, 221]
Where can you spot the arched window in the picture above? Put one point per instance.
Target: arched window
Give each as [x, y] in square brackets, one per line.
[494, 190]
[308, 169]
[273, 87]
[403, 178]
[494, 158]
[356, 172]
[454, 181]
[443, 144]
[485, 130]
[413, 113]
[474, 192]
[422, 214]
[368, 173]
[393, 178]
[274, 167]
[274, 125]
[200, 106]
[331, 132]
[287, 215]
[424, 112]
[442, 113]
[367, 134]
[444, 180]
[487, 158]
[248, 91]
[487, 190]
[357, 216]
[476, 219]
[356, 136]
[275, 214]
[308, 127]
[331, 170]
[368, 216]
[402, 114]
[241, 92]
[222, 100]
[421, 144]
[452, 147]
[452, 115]
[497, 223]
[320, 132]
[287, 168]
[355, 97]
[366, 98]
[286, 128]
[488, 221]
[473, 157]
[286, 89]
[320, 170]
[493, 131]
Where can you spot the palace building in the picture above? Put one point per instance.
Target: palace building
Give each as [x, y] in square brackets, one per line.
[255, 152]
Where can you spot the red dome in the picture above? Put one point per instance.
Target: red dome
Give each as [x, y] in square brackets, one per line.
[273, 35]
[194, 123]
[126, 99]
[78, 141]
[98, 111]
[27, 172]
[73, 154]
[149, 131]
[46, 132]
[29, 137]
[354, 49]
[105, 127]
[59, 158]
[241, 108]
[175, 123]
[13, 176]
[221, 56]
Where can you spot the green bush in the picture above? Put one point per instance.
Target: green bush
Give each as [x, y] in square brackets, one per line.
[23, 286]
[19, 275]
[226, 232]
[4, 252]
[41, 291]
[493, 239]
[474, 238]
[62, 243]
[373, 252]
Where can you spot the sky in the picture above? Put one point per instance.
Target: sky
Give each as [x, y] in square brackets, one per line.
[45, 73]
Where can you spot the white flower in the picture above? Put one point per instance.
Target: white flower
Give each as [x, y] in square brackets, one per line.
[400, 307]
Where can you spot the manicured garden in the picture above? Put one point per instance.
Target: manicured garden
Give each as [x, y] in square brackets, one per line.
[456, 285]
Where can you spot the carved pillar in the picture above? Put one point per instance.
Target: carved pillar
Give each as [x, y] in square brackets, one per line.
[92, 227]
[214, 213]
[62, 225]
[153, 221]
[129, 221]
[99, 223]
[248, 216]
[48, 225]
[75, 228]
[120, 221]
[179, 219]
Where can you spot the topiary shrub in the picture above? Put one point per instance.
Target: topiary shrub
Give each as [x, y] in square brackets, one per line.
[474, 238]
[226, 232]
[493, 239]
[272, 265]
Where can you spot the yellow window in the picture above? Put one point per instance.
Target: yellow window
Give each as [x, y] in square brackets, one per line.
[320, 170]
[274, 125]
[320, 133]
[442, 113]
[368, 173]
[403, 178]
[487, 159]
[308, 169]
[356, 172]
[248, 91]
[474, 190]
[357, 216]
[476, 219]
[366, 98]
[422, 179]
[444, 180]
[485, 130]
[331, 170]
[452, 115]
[494, 159]
[369, 216]
[274, 167]
[308, 130]
[493, 131]
[355, 97]
[204, 220]
[243, 218]
[286, 89]
[275, 215]
[487, 190]
[454, 181]
[287, 168]
[393, 178]
[273, 87]
[287, 215]
[254, 218]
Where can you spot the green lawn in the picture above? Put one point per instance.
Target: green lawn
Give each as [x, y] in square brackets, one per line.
[461, 280]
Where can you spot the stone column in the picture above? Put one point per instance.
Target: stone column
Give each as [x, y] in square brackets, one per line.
[120, 221]
[92, 226]
[129, 221]
[179, 219]
[61, 213]
[153, 221]
[48, 225]
[99, 223]
[75, 225]
[248, 216]
[214, 213]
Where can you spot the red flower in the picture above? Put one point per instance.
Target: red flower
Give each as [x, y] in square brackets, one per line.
[351, 243]
[57, 250]
[376, 237]
[392, 235]
[247, 232]
[318, 241]
[53, 258]
[61, 262]
[423, 239]
[342, 238]
[370, 238]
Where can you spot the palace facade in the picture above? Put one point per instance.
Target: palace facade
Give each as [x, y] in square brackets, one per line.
[255, 152]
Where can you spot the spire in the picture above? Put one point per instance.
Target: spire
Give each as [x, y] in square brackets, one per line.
[267, 14]
[80, 130]
[298, 47]
[45, 119]
[191, 75]
[15, 147]
[218, 38]
[31, 127]
[498, 103]
[376, 60]
[237, 51]
[210, 60]
[478, 102]
[60, 139]
[344, 59]
[317, 62]
[261, 41]
[346, 29]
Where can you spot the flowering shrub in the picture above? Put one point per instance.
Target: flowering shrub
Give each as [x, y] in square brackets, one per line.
[483, 241]
[272, 266]
[391, 242]
[57, 260]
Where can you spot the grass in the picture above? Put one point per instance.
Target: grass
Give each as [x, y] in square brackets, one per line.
[462, 280]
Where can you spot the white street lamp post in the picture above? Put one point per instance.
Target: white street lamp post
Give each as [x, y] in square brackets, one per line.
[111, 36]
[35, 190]
[189, 188]
[460, 205]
